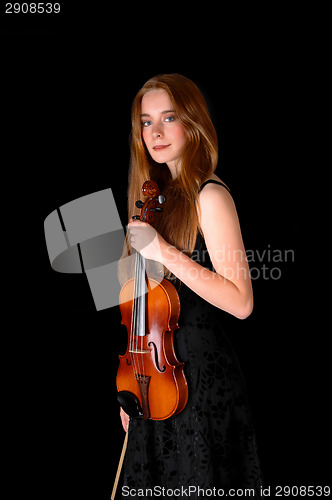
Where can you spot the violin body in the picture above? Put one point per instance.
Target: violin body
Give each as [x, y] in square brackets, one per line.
[149, 371]
[157, 380]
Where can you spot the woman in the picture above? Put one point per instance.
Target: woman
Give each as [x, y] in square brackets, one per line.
[197, 238]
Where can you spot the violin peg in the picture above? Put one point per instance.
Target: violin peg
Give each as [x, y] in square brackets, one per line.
[158, 209]
[161, 199]
[139, 204]
[136, 217]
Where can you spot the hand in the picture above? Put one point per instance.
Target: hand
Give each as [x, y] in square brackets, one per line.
[146, 240]
[124, 419]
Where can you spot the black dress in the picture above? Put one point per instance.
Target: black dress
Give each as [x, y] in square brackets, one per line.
[211, 443]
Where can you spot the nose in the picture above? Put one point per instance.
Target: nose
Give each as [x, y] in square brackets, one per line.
[157, 131]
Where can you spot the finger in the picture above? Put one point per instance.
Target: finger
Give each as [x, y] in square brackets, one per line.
[137, 223]
[124, 420]
[124, 425]
[135, 231]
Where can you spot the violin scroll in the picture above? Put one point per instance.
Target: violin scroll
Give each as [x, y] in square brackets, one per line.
[150, 188]
[152, 204]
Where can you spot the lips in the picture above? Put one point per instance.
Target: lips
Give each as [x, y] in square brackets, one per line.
[159, 147]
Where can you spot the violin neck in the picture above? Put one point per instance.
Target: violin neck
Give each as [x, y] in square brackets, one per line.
[140, 295]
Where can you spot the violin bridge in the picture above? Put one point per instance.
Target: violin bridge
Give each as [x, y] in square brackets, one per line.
[139, 351]
[143, 383]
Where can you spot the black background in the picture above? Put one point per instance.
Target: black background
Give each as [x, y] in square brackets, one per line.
[69, 85]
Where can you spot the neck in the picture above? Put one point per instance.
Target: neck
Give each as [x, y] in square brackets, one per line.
[174, 168]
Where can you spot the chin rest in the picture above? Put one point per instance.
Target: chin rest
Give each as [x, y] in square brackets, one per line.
[130, 404]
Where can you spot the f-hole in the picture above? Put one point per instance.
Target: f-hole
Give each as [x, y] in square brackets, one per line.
[161, 370]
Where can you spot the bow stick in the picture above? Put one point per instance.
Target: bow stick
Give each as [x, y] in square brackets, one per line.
[124, 447]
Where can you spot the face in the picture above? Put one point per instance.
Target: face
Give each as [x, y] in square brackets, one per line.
[162, 132]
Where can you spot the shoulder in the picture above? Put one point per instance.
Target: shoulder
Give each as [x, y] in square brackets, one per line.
[213, 181]
[214, 193]
[215, 202]
[214, 177]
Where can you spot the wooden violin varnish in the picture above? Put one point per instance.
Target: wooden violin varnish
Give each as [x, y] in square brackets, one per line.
[150, 379]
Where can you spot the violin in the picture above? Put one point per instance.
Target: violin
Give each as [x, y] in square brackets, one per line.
[150, 380]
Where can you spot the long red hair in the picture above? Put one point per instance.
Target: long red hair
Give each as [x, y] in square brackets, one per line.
[178, 223]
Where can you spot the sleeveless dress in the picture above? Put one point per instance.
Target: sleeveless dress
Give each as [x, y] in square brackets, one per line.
[211, 443]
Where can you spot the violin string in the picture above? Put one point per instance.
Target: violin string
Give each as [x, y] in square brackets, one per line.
[143, 304]
[138, 312]
[142, 312]
[145, 298]
[133, 327]
[134, 321]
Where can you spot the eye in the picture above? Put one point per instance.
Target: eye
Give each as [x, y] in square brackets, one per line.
[170, 119]
[147, 123]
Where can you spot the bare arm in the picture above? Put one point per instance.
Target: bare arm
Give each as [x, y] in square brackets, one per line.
[229, 288]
